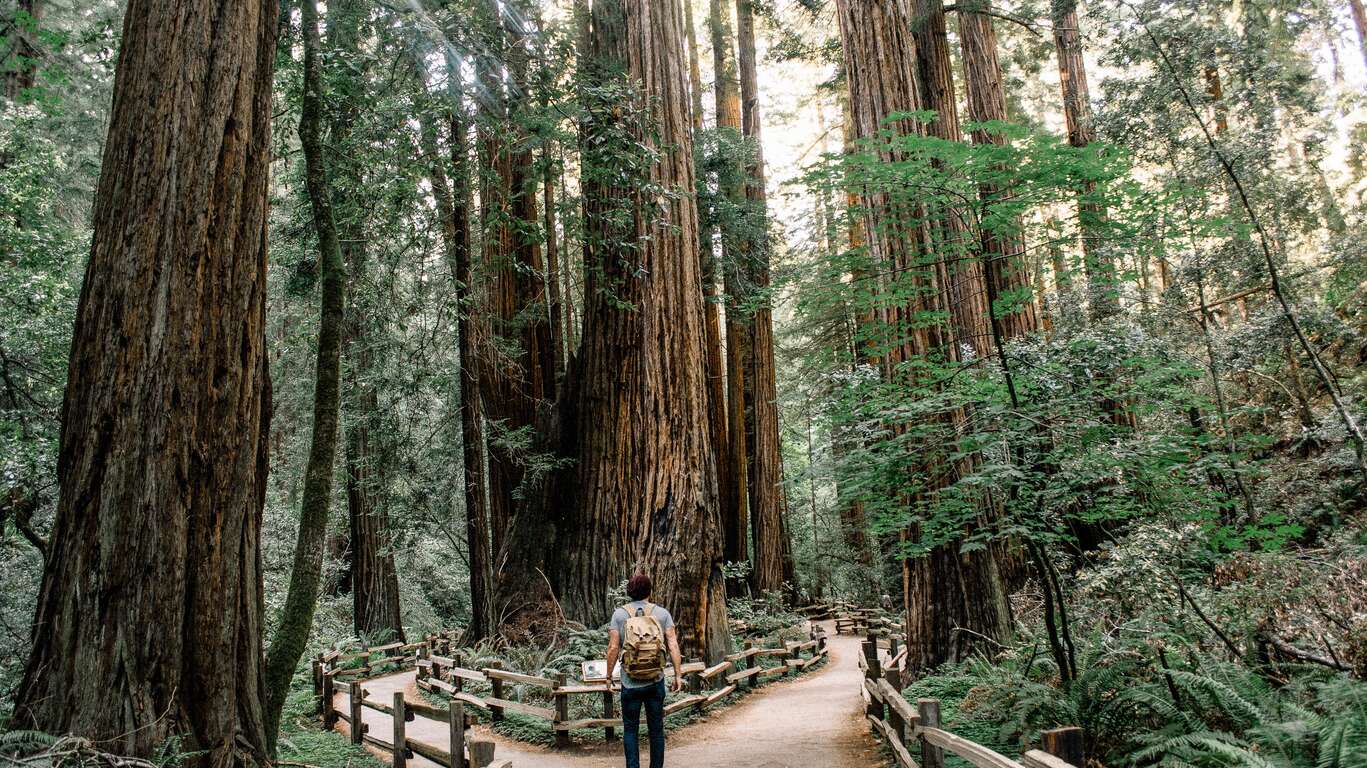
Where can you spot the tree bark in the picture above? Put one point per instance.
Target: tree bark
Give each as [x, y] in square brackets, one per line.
[962, 268]
[1360, 22]
[1003, 253]
[945, 590]
[733, 461]
[149, 618]
[453, 206]
[773, 564]
[368, 455]
[647, 479]
[296, 618]
[1103, 301]
[21, 61]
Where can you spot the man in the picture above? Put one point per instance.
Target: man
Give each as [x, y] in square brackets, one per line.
[644, 626]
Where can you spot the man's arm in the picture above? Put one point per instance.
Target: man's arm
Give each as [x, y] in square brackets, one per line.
[614, 649]
[672, 639]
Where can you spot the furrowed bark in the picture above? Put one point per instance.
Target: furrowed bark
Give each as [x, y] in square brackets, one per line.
[1003, 253]
[773, 564]
[647, 479]
[141, 638]
[881, 73]
[734, 460]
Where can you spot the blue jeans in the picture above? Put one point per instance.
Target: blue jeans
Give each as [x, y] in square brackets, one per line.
[653, 698]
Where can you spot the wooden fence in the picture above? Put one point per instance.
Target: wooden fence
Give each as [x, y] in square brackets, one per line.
[903, 725]
[460, 751]
[706, 685]
[440, 668]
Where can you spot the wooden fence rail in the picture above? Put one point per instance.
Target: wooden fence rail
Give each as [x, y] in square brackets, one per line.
[903, 725]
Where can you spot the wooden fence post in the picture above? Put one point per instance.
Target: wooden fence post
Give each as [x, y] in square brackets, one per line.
[895, 719]
[562, 711]
[317, 668]
[400, 753]
[1065, 744]
[481, 752]
[357, 722]
[749, 664]
[872, 672]
[495, 712]
[325, 702]
[609, 712]
[456, 720]
[931, 755]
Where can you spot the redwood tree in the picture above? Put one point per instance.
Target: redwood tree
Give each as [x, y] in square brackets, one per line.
[734, 459]
[1003, 253]
[149, 619]
[647, 490]
[773, 563]
[946, 591]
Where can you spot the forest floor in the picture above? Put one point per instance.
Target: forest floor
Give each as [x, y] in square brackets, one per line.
[816, 719]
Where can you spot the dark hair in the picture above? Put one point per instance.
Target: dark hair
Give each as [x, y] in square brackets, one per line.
[638, 588]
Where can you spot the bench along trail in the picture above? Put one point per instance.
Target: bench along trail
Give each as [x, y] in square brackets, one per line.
[812, 720]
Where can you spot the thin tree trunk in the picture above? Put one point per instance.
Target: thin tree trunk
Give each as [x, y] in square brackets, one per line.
[1103, 300]
[453, 205]
[647, 481]
[21, 61]
[150, 615]
[373, 578]
[296, 618]
[768, 503]
[1003, 252]
[1360, 22]
[734, 461]
[694, 68]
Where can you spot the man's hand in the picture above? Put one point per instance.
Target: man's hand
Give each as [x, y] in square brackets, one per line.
[678, 683]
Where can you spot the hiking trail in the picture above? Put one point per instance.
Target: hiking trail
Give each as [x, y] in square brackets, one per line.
[811, 721]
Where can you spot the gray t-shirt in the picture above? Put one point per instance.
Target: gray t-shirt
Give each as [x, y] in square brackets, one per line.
[619, 623]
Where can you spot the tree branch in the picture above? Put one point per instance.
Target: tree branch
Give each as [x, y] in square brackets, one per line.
[979, 7]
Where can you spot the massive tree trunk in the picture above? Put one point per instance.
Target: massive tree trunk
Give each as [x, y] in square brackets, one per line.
[733, 460]
[149, 619]
[1003, 253]
[768, 503]
[946, 591]
[296, 618]
[647, 479]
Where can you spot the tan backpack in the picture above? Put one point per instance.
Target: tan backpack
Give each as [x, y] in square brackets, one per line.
[643, 645]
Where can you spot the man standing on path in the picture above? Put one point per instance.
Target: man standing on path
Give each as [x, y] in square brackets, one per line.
[639, 633]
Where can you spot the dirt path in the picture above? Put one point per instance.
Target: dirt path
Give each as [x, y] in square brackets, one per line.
[815, 720]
